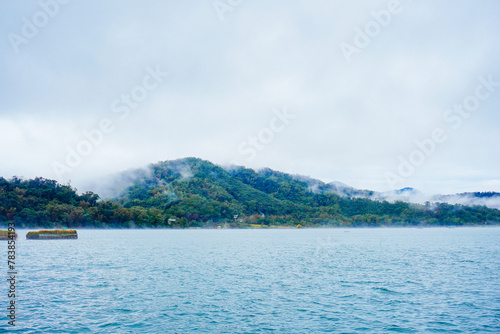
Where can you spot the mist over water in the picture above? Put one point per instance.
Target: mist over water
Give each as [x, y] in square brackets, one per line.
[246, 281]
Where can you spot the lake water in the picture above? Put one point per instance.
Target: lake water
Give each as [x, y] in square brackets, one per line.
[250, 281]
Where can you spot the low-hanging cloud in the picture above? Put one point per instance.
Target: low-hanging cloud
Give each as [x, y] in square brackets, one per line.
[225, 76]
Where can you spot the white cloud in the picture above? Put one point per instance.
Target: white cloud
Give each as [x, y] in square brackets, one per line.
[353, 119]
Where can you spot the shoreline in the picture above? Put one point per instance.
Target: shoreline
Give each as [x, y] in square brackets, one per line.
[277, 228]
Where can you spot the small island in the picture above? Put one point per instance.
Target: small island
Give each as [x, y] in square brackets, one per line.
[52, 234]
[5, 235]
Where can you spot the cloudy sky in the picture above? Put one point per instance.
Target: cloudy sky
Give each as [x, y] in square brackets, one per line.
[376, 94]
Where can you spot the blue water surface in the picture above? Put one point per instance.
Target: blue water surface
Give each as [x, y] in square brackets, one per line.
[380, 280]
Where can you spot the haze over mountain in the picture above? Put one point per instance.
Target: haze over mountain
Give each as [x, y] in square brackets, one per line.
[115, 185]
[489, 199]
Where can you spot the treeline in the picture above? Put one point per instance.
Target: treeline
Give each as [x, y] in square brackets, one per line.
[44, 203]
[195, 193]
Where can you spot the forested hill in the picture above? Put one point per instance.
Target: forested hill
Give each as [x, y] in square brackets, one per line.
[193, 192]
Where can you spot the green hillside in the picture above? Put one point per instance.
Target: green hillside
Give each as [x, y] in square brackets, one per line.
[195, 193]
[202, 192]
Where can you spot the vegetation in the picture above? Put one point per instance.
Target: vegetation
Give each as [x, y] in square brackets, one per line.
[195, 193]
[61, 232]
[52, 234]
[4, 235]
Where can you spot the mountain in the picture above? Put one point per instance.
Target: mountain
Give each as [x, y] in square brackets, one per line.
[336, 187]
[192, 192]
[489, 199]
[201, 192]
[411, 195]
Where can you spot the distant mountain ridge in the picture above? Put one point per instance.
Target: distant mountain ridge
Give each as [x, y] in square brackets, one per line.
[407, 194]
[410, 195]
[489, 199]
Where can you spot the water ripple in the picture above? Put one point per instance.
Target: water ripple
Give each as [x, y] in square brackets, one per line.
[248, 281]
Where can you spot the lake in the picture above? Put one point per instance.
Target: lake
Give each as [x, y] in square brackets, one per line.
[378, 280]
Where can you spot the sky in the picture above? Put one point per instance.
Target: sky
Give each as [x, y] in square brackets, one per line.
[379, 95]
